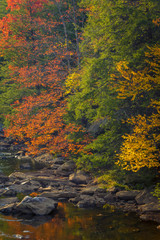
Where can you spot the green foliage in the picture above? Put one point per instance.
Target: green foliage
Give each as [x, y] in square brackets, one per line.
[115, 31]
[20, 196]
[3, 5]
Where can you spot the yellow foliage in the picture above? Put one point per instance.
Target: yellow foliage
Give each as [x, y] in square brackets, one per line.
[72, 82]
[141, 147]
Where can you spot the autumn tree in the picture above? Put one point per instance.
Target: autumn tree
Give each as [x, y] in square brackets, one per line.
[115, 31]
[141, 147]
[37, 61]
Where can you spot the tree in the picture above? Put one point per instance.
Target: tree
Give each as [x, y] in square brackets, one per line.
[141, 147]
[115, 31]
[37, 57]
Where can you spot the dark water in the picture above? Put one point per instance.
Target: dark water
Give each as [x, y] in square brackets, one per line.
[71, 223]
[9, 164]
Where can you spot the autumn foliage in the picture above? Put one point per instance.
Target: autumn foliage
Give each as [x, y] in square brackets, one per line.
[38, 61]
[141, 148]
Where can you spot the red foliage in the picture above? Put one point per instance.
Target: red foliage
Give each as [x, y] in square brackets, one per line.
[37, 62]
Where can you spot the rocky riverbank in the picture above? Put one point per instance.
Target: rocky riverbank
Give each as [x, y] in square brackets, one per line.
[60, 182]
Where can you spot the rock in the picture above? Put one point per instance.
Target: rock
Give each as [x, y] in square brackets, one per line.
[18, 175]
[3, 178]
[110, 198]
[25, 166]
[149, 207]
[58, 160]
[6, 201]
[146, 196]
[127, 195]
[56, 195]
[46, 158]
[25, 187]
[36, 205]
[89, 190]
[151, 216]
[8, 209]
[150, 211]
[90, 202]
[65, 169]
[79, 177]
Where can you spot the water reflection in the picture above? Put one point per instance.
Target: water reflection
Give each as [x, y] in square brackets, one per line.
[70, 223]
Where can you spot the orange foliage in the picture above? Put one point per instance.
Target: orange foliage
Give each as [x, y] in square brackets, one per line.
[37, 62]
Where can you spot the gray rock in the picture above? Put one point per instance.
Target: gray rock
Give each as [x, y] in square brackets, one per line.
[56, 195]
[58, 160]
[6, 201]
[151, 216]
[8, 209]
[46, 158]
[25, 166]
[65, 169]
[36, 205]
[79, 177]
[127, 195]
[90, 202]
[18, 175]
[146, 196]
[149, 207]
[110, 198]
[3, 178]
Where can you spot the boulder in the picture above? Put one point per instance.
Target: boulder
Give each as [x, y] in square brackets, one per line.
[90, 202]
[58, 160]
[151, 216]
[46, 158]
[145, 196]
[9, 208]
[36, 205]
[65, 169]
[79, 177]
[127, 195]
[150, 207]
[26, 187]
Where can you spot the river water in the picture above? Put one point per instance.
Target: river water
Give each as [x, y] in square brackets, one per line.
[71, 223]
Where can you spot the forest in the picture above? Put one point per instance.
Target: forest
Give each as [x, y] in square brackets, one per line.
[81, 79]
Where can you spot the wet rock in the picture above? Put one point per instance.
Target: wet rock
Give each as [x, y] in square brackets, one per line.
[8, 209]
[79, 177]
[127, 195]
[36, 205]
[151, 216]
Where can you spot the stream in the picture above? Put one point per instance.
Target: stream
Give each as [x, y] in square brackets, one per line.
[72, 223]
